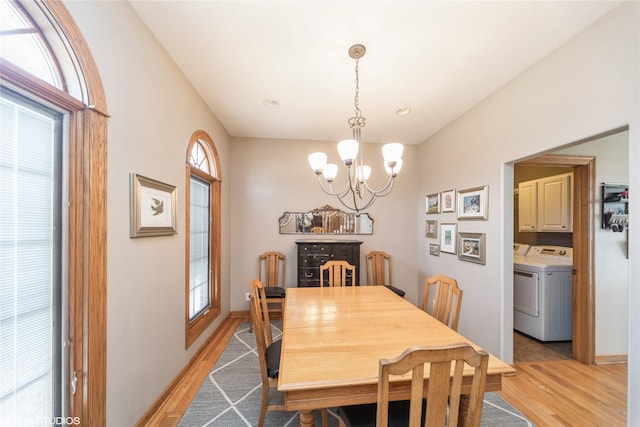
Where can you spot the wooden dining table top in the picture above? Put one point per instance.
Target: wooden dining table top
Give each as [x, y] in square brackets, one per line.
[334, 337]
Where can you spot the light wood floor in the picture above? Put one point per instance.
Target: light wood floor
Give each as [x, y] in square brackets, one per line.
[567, 393]
[549, 392]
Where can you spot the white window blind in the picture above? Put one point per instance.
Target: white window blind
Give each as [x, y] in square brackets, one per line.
[199, 246]
[30, 150]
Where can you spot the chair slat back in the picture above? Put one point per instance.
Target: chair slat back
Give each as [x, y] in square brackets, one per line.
[444, 390]
[446, 302]
[260, 317]
[337, 273]
[379, 270]
[273, 264]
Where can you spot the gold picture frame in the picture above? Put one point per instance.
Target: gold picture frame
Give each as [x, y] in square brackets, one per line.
[152, 207]
[432, 228]
[473, 203]
[434, 249]
[433, 203]
[472, 247]
[448, 201]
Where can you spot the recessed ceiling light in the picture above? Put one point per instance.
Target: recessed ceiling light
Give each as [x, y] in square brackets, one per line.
[271, 103]
[403, 111]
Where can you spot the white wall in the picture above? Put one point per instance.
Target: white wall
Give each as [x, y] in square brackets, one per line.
[270, 177]
[153, 111]
[585, 88]
[611, 263]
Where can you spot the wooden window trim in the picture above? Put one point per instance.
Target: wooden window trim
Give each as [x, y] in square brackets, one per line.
[193, 329]
[87, 262]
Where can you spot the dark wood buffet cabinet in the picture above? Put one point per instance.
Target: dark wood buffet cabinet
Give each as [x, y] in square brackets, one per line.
[312, 253]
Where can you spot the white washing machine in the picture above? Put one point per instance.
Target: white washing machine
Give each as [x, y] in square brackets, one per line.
[543, 292]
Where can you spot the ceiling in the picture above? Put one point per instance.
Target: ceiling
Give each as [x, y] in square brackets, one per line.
[438, 58]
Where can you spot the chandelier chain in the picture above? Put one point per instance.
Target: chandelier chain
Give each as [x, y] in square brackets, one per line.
[357, 97]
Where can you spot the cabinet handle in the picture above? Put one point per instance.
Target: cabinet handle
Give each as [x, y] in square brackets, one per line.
[308, 275]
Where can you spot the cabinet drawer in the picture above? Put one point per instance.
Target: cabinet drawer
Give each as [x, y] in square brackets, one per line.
[312, 260]
[309, 273]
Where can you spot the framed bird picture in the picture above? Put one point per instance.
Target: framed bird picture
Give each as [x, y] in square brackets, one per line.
[152, 207]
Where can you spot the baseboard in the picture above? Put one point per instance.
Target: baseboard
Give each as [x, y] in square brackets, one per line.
[244, 315]
[610, 359]
[148, 418]
[241, 314]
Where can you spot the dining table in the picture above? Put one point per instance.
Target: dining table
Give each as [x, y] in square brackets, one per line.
[334, 337]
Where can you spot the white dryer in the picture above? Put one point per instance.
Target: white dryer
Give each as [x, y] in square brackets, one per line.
[542, 293]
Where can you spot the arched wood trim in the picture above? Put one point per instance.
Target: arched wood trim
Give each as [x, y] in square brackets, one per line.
[86, 68]
[212, 151]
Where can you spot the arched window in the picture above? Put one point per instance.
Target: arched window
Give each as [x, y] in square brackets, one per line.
[53, 219]
[202, 289]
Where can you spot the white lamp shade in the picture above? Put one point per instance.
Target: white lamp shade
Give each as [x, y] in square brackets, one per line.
[364, 172]
[392, 152]
[348, 149]
[330, 171]
[317, 161]
[396, 168]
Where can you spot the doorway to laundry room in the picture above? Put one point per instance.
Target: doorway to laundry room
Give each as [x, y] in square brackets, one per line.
[597, 255]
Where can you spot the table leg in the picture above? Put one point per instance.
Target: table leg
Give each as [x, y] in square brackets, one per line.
[306, 418]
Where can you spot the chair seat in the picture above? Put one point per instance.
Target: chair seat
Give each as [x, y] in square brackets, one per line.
[365, 415]
[274, 292]
[273, 359]
[397, 291]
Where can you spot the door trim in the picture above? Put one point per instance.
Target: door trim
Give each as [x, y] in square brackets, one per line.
[583, 246]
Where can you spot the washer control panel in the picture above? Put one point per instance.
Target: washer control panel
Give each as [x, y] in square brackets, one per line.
[551, 252]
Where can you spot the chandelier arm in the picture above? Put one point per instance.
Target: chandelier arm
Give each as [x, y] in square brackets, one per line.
[384, 190]
[330, 191]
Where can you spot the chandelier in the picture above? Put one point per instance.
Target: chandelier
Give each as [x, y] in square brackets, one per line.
[357, 194]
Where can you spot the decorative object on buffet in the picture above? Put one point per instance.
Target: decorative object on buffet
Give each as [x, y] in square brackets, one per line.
[357, 194]
[325, 220]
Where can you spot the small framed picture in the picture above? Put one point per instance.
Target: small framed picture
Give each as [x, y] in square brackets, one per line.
[434, 249]
[432, 228]
[433, 203]
[448, 200]
[473, 203]
[472, 247]
[448, 238]
[152, 207]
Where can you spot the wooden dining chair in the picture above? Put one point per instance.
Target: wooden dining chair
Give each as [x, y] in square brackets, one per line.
[269, 351]
[271, 271]
[337, 273]
[446, 301]
[442, 406]
[379, 271]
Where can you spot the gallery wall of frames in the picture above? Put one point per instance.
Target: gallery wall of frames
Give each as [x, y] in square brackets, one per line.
[467, 204]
